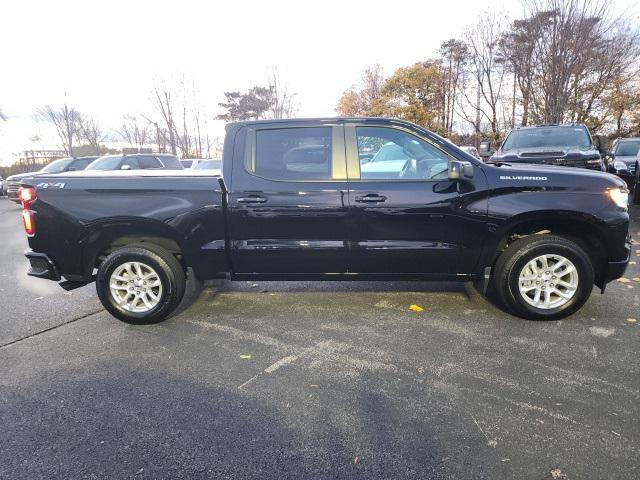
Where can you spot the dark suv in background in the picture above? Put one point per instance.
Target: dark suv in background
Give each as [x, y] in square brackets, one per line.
[62, 165]
[137, 161]
[568, 145]
[623, 160]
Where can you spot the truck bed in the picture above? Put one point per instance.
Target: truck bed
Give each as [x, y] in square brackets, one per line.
[94, 211]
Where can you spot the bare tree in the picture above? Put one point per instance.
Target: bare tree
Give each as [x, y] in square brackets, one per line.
[454, 56]
[163, 103]
[66, 120]
[518, 46]
[134, 131]
[91, 132]
[282, 100]
[486, 67]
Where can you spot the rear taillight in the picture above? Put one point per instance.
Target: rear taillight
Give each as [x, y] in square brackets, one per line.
[27, 197]
[29, 224]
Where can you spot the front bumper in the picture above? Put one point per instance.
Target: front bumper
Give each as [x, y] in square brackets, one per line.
[13, 191]
[41, 266]
[615, 270]
[629, 178]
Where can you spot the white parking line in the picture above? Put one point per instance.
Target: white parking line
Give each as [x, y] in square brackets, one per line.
[271, 368]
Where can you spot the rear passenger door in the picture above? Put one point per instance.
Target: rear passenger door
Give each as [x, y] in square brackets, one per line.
[288, 200]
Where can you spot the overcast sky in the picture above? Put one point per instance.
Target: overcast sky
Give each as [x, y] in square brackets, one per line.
[107, 54]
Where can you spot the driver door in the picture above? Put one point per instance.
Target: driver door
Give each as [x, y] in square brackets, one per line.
[407, 218]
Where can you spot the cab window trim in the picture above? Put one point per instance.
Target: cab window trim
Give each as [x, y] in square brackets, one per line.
[338, 154]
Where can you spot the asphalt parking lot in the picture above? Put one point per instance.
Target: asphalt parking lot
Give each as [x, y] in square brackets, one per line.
[314, 380]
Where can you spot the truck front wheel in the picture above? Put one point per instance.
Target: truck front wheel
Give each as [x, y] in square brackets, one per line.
[543, 277]
[140, 285]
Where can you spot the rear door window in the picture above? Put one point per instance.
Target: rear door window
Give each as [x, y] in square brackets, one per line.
[170, 162]
[302, 153]
[149, 162]
[132, 162]
[80, 164]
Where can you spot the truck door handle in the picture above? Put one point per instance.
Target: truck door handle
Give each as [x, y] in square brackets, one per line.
[252, 199]
[371, 198]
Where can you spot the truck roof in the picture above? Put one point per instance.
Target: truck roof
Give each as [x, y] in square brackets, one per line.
[531, 127]
[327, 120]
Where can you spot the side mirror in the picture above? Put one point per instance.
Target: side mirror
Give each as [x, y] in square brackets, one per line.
[459, 170]
[125, 167]
[485, 149]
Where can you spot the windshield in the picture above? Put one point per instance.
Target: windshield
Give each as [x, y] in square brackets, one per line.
[208, 165]
[628, 148]
[57, 166]
[109, 162]
[544, 137]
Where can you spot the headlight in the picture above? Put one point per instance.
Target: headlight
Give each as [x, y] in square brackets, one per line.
[618, 165]
[620, 197]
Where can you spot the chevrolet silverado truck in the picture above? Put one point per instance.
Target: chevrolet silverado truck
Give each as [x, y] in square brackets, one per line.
[293, 203]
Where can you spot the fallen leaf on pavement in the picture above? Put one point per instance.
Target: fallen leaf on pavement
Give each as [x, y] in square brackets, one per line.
[416, 308]
[245, 356]
[624, 280]
[556, 474]
[632, 320]
[632, 262]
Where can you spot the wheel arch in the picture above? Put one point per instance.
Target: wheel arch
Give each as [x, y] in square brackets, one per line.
[103, 239]
[578, 227]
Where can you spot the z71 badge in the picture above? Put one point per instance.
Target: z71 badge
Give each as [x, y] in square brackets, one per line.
[46, 185]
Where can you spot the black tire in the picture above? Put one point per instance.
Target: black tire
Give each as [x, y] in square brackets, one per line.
[507, 269]
[169, 270]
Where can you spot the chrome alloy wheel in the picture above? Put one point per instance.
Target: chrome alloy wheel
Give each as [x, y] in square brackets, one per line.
[136, 287]
[548, 281]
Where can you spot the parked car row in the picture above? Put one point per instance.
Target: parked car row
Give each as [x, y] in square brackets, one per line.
[58, 166]
[623, 160]
[136, 161]
[566, 145]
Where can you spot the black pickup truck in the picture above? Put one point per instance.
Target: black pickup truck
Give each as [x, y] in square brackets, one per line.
[565, 145]
[293, 203]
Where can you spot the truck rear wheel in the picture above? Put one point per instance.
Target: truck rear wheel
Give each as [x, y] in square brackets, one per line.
[139, 284]
[543, 277]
